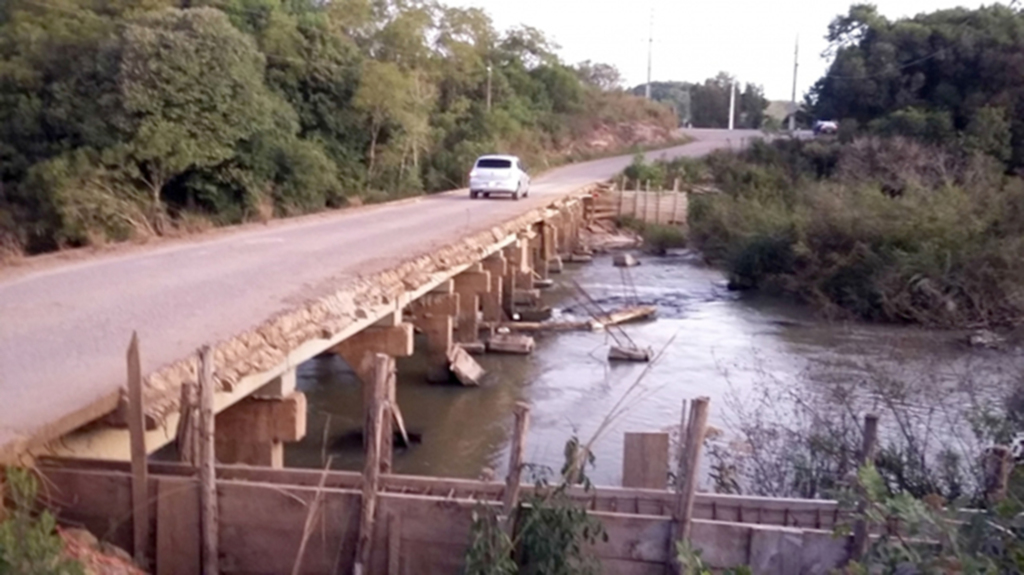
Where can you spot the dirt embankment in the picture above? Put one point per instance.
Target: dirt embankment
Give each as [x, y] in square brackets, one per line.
[621, 137]
[603, 236]
[95, 556]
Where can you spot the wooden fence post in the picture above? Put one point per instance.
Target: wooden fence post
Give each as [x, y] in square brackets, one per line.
[208, 463]
[515, 464]
[692, 438]
[861, 537]
[383, 365]
[137, 432]
[657, 207]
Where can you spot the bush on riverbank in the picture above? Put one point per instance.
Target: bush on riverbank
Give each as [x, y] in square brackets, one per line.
[881, 229]
[657, 238]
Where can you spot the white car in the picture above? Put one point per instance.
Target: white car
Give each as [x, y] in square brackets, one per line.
[498, 174]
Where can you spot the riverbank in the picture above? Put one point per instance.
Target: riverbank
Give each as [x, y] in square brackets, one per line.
[884, 230]
[740, 349]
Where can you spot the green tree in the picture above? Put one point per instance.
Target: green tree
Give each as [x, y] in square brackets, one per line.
[934, 76]
[192, 89]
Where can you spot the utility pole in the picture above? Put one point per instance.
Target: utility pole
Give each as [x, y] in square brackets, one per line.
[732, 105]
[650, 50]
[796, 65]
[488, 87]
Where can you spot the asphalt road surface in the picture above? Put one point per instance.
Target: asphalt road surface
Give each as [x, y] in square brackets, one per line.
[64, 328]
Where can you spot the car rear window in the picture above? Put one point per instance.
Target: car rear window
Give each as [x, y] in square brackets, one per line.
[494, 164]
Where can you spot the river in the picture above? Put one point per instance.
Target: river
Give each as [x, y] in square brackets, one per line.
[753, 356]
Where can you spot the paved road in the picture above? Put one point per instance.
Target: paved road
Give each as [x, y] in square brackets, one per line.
[64, 328]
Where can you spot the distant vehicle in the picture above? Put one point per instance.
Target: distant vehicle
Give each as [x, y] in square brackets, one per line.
[825, 127]
[498, 174]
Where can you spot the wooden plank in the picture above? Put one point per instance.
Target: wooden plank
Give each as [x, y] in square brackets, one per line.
[645, 460]
[137, 431]
[634, 537]
[722, 545]
[208, 461]
[178, 548]
[264, 539]
[801, 512]
[99, 501]
[394, 544]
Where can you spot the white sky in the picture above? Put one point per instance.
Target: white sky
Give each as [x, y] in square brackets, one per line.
[752, 39]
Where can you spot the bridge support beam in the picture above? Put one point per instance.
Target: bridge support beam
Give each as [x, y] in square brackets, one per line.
[469, 286]
[282, 386]
[254, 431]
[433, 315]
[358, 352]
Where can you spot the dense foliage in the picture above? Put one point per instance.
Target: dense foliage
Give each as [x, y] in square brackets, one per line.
[706, 105]
[947, 77]
[121, 118]
[881, 229]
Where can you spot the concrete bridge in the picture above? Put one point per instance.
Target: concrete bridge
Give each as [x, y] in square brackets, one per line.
[267, 298]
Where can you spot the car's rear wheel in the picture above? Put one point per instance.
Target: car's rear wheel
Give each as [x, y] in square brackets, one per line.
[472, 195]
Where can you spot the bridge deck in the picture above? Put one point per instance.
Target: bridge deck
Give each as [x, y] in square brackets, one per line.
[64, 328]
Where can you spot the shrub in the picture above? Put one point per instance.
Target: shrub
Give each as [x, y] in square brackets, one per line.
[29, 544]
[659, 238]
[884, 229]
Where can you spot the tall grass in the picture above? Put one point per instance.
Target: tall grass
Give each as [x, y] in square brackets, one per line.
[886, 230]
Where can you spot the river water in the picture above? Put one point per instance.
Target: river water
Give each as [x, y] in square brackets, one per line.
[737, 349]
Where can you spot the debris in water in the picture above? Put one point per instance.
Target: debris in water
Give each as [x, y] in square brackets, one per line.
[464, 367]
[511, 343]
[636, 354]
[625, 261]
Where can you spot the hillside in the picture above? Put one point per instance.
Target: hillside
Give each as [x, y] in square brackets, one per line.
[122, 120]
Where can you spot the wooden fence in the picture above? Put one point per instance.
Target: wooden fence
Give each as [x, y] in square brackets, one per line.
[423, 524]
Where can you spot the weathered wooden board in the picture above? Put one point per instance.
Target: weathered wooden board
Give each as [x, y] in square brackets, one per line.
[805, 513]
[177, 526]
[645, 460]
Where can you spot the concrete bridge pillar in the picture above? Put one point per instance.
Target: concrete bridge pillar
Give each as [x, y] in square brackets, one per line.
[469, 286]
[433, 315]
[542, 250]
[553, 245]
[518, 272]
[358, 352]
[497, 267]
[254, 431]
